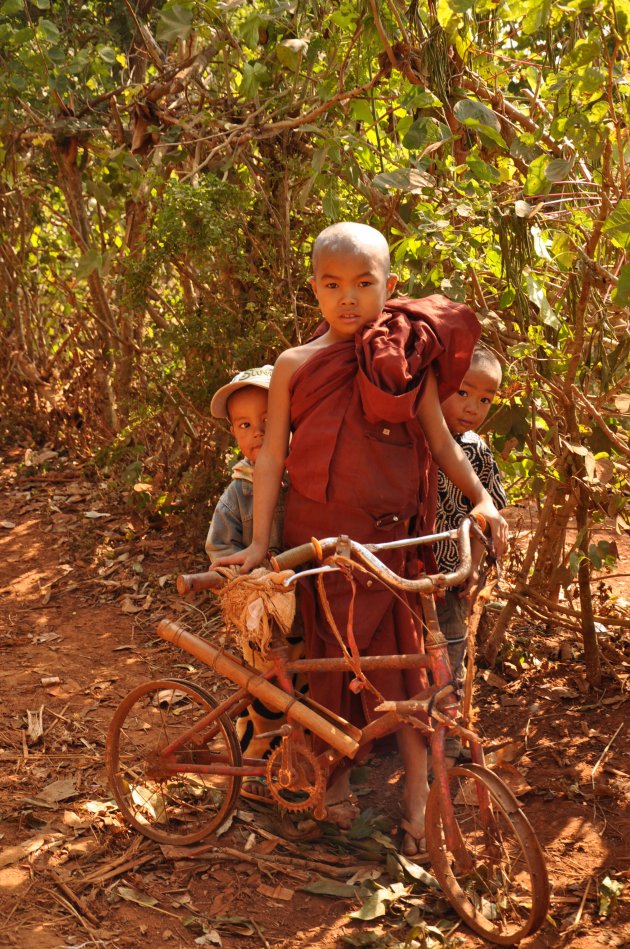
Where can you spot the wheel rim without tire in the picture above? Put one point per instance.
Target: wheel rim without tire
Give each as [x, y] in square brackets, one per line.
[175, 808]
[503, 893]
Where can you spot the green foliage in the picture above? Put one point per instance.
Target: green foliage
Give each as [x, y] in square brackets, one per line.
[166, 173]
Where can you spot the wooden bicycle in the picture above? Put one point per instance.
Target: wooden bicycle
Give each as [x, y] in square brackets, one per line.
[175, 763]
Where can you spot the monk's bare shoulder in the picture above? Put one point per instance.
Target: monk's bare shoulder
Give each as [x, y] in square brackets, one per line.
[290, 360]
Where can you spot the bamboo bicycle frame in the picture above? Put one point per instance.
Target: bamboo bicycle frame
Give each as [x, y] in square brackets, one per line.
[343, 738]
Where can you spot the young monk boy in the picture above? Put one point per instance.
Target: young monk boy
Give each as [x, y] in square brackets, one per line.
[362, 404]
[465, 411]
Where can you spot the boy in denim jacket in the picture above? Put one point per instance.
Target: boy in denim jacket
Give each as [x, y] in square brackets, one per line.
[243, 402]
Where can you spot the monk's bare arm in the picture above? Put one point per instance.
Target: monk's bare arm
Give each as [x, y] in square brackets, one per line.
[456, 466]
[269, 466]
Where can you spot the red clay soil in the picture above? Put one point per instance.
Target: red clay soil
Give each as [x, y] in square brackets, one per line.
[83, 585]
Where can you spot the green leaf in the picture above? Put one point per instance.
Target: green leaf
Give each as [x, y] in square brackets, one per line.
[420, 98]
[609, 893]
[617, 227]
[331, 204]
[562, 251]
[41, 4]
[536, 294]
[345, 18]
[11, 6]
[424, 132]
[107, 54]
[253, 77]
[621, 293]
[174, 23]
[469, 111]
[558, 169]
[49, 30]
[89, 262]
[537, 181]
[249, 31]
[488, 135]
[290, 52]
[481, 170]
[410, 180]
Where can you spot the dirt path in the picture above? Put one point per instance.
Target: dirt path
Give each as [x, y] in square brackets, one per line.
[82, 587]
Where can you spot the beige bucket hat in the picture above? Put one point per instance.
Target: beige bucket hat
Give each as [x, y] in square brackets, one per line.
[260, 376]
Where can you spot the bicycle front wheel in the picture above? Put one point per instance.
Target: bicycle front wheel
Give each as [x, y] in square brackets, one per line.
[173, 783]
[493, 870]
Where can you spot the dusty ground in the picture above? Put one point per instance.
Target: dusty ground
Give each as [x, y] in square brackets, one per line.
[82, 586]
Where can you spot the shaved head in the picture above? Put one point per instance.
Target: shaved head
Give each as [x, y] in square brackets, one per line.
[484, 359]
[348, 237]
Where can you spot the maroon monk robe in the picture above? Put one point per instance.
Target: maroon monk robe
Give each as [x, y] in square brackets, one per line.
[359, 464]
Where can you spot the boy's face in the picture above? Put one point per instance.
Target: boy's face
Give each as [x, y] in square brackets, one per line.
[248, 417]
[467, 409]
[351, 289]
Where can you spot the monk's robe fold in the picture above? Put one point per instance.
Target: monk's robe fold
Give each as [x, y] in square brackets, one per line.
[359, 464]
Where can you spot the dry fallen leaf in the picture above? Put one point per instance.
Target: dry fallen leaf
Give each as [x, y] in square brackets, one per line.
[58, 791]
[132, 895]
[35, 723]
[65, 691]
[516, 781]
[128, 606]
[8, 525]
[276, 892]
[17, 853]
[493, 679]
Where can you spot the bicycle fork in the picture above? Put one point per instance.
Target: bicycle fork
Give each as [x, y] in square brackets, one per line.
[442, 676]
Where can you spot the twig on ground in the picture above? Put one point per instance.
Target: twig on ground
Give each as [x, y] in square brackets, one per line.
[72, 896]
[603, 754]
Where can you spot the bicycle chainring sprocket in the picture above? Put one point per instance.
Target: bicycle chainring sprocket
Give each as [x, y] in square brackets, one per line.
[295, 779]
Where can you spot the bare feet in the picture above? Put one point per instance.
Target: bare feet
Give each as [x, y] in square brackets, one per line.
[414, 754]
[255, 790]
[414, 845]
[341, 805]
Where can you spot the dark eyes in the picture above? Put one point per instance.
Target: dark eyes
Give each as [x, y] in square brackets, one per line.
[335, 286]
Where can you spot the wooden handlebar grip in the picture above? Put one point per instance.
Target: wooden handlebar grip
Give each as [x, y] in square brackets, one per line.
[295, 557]
[195, 582]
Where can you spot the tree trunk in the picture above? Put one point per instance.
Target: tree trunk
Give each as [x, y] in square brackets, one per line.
[65, 152]
[589, 633]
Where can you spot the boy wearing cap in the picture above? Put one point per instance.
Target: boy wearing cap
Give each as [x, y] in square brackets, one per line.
[243, 402]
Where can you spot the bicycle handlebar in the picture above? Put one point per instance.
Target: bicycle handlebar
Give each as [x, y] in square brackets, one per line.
[196, 582]
[365, 553]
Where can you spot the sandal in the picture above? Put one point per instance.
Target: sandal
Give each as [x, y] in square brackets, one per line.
[413, 833]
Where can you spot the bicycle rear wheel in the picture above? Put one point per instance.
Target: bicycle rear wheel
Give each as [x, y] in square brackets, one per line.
[493, 872]
[154, 791]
